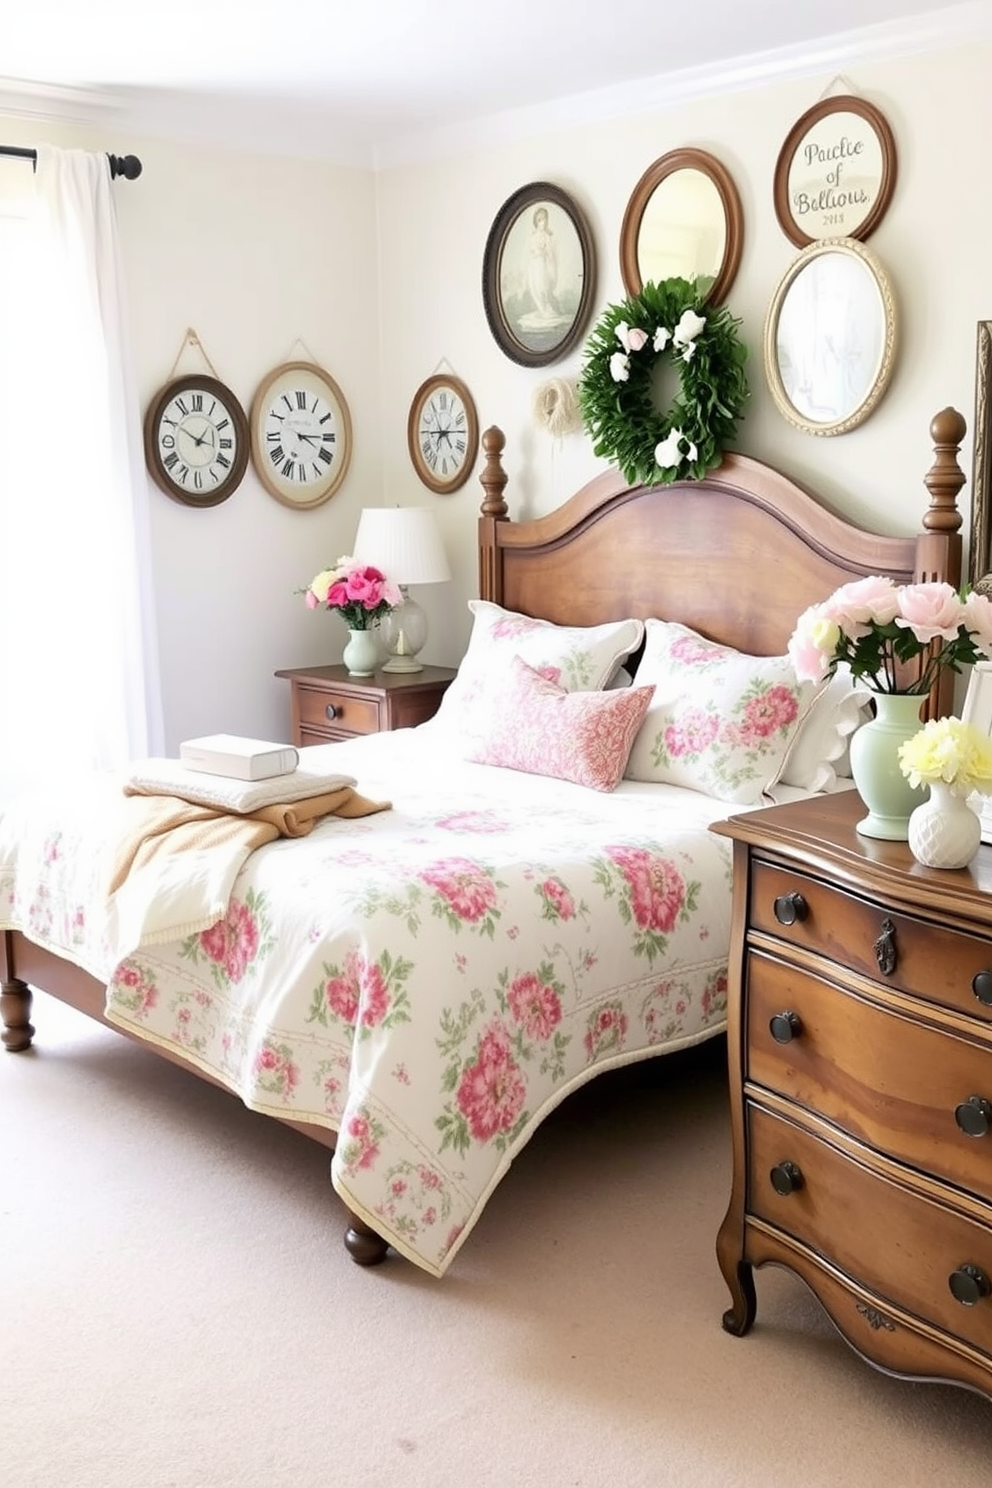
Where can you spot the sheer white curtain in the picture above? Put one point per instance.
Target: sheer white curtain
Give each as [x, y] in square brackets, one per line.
[78, 654]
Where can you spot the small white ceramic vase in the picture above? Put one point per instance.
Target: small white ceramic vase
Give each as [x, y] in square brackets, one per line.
[944, 832]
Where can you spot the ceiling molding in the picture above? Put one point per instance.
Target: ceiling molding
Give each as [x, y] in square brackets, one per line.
[280, 126]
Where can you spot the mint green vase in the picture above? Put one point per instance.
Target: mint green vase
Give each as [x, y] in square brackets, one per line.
[875, 766]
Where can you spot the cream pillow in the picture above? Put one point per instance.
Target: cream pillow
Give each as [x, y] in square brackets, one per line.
[577, 658]
[818, 753]
[721, 721]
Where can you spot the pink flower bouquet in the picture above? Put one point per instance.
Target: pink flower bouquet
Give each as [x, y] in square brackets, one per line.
[359, 592]
[880, 629]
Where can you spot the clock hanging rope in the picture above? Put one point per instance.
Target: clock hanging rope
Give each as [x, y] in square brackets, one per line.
[668, 320]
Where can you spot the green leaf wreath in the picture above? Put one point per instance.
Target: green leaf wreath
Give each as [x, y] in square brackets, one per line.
[667, 319]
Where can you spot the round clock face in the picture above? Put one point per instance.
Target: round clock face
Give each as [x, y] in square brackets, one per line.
[300, 434]
[196, 440]
[443, 433]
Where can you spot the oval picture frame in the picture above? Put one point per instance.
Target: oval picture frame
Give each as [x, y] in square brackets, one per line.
[829, 384]
[691, 248]
[538, 275]
[836, 172]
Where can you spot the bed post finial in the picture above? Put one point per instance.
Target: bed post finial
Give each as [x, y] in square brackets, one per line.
[945, 477]
[493, 476]
[494, 511]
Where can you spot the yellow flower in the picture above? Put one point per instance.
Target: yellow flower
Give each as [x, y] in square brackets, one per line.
[947, 749]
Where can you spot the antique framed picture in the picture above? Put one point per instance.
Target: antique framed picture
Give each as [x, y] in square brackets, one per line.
[836, 172]
[980, 544]
[538, 275]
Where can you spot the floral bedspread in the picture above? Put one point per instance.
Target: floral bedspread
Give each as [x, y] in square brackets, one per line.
[429, 982]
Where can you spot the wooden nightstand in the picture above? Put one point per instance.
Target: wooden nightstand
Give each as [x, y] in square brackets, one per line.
[860, 1053]
[328, 703]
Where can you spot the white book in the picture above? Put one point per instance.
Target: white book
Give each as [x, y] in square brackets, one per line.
[238, 758]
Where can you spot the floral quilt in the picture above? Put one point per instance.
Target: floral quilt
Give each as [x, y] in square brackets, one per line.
[428, 982]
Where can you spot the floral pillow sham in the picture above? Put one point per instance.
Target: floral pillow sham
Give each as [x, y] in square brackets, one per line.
[578, 658]
[538, 727]
[720, 722]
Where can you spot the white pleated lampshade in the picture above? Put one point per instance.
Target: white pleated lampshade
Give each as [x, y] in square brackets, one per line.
[404, 542]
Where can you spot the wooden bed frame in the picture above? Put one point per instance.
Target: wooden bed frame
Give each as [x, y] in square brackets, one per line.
[737, 556]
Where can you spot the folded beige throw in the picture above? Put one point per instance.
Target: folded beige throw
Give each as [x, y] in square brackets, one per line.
[172, 864]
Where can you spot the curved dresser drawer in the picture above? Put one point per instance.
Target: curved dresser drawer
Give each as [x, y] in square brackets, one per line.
[942, 965]
[901, 1245]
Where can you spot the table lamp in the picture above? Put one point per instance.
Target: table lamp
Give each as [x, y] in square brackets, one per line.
[405, 543]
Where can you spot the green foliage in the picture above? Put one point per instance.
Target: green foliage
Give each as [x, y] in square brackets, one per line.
[621, 417]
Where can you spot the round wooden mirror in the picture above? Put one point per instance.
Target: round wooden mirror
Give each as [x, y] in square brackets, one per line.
[830, 337]
[683, 221]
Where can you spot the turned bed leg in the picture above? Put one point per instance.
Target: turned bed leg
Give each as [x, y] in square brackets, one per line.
[15, 1013]
[365, 1247]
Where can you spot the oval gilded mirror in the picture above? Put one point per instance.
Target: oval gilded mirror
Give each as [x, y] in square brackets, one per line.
[830, 337]
[683, 221]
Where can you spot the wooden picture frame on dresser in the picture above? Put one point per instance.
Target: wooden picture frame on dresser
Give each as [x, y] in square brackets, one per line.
[860, 1059]
[328, 703]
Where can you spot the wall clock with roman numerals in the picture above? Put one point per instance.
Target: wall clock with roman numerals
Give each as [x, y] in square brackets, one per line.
[443, 433]
[300, 434]
[196, 440]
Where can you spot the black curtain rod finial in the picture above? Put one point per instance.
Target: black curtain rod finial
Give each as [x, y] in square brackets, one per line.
[128, 166]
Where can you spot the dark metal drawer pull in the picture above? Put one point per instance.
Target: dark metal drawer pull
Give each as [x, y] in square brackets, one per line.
[974, 1115]
[789, 908]
[981, 985]
[885, 948]
[785, 1027]
[331, 711]
[787, 1178]
[969, 1284]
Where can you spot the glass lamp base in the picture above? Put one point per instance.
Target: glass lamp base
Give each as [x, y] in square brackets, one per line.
[403, 633]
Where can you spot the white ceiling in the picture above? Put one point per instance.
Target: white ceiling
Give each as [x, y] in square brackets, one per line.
[376, 80]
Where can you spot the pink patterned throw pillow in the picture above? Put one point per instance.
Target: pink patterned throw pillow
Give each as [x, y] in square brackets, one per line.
[537, 727]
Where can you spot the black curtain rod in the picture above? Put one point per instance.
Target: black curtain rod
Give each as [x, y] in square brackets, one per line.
[128, 166]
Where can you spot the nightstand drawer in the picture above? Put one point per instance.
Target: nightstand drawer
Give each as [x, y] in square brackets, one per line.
[885, 1079]
[340, 711]
[894, 1240]
[944, 966]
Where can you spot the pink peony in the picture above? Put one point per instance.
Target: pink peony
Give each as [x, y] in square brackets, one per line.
[492, 1090]
[930, 611]
[535, 1005]
[854, 606]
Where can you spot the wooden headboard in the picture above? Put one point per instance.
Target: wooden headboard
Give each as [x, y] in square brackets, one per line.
[737, 556]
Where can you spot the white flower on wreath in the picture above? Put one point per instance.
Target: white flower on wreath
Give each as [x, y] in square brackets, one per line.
[619, 367]
[631, 338]
[661, 338]
[667, 453]
[688, 328]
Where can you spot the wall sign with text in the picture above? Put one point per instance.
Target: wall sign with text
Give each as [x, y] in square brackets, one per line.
[835, 173]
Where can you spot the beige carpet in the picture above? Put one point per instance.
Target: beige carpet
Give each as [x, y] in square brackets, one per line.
[177, 1309]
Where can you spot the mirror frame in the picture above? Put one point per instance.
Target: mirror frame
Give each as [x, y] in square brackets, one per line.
[733, 215]
[883, 373]
[980, 540]
[824, 110]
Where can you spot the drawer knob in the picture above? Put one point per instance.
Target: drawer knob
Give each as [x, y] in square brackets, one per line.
[789, 908]
[981, 985]
[787, 1178]
[974, 1115]
[969, 1284]
[785, 1027]
[331, 711]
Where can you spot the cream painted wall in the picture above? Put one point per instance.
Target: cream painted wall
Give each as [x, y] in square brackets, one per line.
[933, 244]
[380, 277]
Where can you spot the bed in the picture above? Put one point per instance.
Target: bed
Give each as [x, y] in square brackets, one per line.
[418, 987]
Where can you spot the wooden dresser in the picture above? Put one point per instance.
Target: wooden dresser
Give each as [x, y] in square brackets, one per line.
[860, 1055]
[329, 703]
